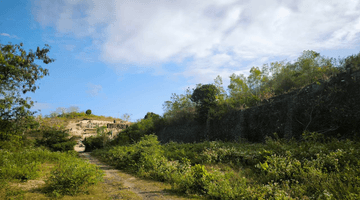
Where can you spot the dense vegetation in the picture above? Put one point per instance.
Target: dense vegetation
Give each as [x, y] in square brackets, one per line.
[312, 167]
[29, 145]
[262, 83]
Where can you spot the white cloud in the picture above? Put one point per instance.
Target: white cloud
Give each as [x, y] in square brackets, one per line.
[216, 35]
[94, 90]
[8, 35]
[70, 47]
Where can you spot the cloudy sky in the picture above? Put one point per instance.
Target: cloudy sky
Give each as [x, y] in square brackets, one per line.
[117, 57]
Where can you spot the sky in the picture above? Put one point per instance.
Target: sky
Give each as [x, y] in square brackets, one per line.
[127, 57]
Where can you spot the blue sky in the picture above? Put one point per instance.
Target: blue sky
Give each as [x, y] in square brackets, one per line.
[116, 57]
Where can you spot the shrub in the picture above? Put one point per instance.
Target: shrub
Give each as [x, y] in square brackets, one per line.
[24, 164]
[72, 177]
[88, 112]
[18, 165]
[91, 143]
[56, 140]
[141, 128]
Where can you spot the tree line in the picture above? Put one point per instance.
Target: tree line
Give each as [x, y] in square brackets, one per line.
[262, 83]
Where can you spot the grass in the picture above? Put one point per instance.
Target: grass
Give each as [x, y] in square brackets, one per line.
[41, 172]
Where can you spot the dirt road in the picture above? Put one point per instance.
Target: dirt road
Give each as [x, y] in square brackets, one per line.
[119, 185]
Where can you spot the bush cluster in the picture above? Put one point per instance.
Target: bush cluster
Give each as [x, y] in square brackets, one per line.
[70, 176]
[56, 140]
[91, 143]
[73, 176]
[314, 168]
[149, 125]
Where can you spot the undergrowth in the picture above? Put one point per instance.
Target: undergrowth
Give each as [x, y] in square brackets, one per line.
[70, 176]
[314, 168]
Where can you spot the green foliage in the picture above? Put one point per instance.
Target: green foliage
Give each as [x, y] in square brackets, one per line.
[18, 165]
[313, 168]
[56, 140]
[100, 141]
[136, 131]
[24, 163]
[72, 177]
[88, 112]
[261, 84]
[141, 155]
[204, 96]
[179, 109]
[18, 74]
[352, 62]
[91, 143]
[12, 132]
[151, 114]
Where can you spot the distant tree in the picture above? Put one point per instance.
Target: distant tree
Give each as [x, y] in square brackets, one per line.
[126, 117]
[221, 96]
[73, 109]
[204, 96]
[53, 114]
[308, 68]
[150, 115]
[180, 107]
[238, 90]
[352, 62]
[88, 112]
[61, 111]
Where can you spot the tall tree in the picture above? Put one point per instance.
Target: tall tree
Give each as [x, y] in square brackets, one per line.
[178, 104]
[204, 96]
[18, 75]
[221, 96]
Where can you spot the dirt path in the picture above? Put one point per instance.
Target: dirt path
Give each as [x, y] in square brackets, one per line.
[119, 185]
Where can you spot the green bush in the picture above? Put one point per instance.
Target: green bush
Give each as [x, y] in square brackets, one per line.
[133, 134]
[91, 143]
[24, 164]
[18, 165]
[56, 140]
[313, 168]
[72, 177]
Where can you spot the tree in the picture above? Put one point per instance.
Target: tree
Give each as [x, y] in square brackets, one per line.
[238, 90]
[126, 117]
[61, 111]
[204, 96]
[18, 74]
[150, 115]
[309, 67]
[73, 109]
[88, 112]
[179, 107]
[221, 96]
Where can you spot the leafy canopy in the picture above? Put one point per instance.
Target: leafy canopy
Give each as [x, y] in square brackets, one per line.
[204, 96]
[18, 74]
